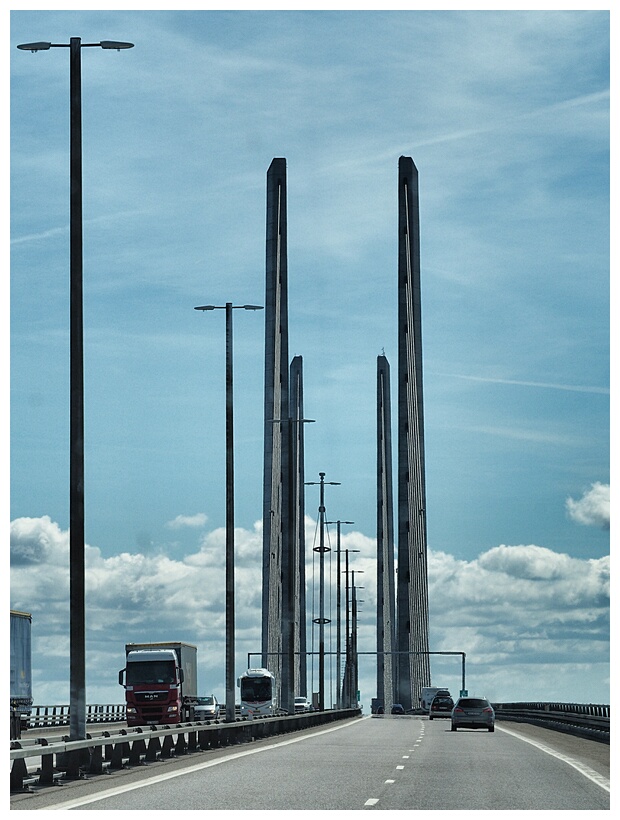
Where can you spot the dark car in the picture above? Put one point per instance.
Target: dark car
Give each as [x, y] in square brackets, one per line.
[397, 709]
[473, 713]
[441, 706]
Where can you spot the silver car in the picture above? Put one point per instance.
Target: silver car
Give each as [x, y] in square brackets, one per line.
[206, 708]
[473, 713]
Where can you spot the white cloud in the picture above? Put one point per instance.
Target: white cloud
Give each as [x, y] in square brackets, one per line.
[593, 508]
[198, 520]
[522, 614]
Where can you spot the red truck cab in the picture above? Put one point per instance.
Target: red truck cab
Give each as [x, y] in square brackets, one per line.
[154, 685]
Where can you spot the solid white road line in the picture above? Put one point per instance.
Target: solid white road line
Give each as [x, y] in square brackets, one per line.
[103, 795]
[586, 771]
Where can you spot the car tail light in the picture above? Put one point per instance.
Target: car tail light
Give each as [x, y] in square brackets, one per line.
[488, 710]
[458, 709]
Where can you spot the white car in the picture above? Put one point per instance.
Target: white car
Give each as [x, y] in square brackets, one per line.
[302, 705]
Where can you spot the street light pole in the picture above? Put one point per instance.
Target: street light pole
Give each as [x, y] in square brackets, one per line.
[338, 619]
[77, 640]
[322, 620]
[230, 508]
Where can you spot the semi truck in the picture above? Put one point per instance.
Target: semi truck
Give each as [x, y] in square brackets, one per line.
[21, 672]
[160, 681]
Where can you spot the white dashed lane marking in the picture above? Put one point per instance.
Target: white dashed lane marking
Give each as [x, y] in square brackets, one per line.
[372, 801]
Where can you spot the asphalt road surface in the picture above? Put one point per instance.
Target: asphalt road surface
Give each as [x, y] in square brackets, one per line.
[373, 763]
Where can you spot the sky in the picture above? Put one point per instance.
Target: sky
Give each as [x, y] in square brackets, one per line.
[506, 114]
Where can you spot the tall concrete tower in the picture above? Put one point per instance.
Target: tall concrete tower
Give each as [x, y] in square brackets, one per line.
[386, 604]
[298, 532]
[412, 573]
[276, 485]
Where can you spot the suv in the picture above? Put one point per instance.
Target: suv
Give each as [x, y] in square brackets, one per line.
[302, 705]
[441, 706]
[473, 713]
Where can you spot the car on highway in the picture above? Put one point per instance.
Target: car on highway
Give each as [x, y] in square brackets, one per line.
[397, 709]
[472, 713]
[206, 708]
[302, 704]
[441, 706]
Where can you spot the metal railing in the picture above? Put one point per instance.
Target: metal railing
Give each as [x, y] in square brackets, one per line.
[589, 720]
[43, 716]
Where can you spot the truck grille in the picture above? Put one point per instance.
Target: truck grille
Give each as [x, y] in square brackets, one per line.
[151, 697]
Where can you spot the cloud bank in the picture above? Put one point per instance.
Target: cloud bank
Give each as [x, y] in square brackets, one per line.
[534, 623]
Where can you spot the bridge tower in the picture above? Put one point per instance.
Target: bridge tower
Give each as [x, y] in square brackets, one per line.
[386, 603]
[412, 571]
[297, 520]
[276, 501]
[284, 582]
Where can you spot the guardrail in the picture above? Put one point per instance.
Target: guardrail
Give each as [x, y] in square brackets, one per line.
[68, 760]
[43, 716]
[590, 720]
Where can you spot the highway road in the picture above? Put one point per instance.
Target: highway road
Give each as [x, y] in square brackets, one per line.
[372, 763]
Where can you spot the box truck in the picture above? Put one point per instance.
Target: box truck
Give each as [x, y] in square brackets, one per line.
[428, 693]
[21, 672]
[160, 681]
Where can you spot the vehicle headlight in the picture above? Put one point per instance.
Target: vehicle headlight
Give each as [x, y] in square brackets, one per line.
[173, 708]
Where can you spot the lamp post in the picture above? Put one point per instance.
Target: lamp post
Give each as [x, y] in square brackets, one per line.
[322, 620]
[230, 508]
[348, 654]
[77, 652]
[338, 643]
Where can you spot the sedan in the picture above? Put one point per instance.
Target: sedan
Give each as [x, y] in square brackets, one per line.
[206, 708]
[473, 713]
[397, 709]
[441, 706]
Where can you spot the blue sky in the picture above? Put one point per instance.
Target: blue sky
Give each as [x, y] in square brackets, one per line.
[506, 115]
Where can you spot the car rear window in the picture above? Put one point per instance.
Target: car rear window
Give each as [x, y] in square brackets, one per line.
[470, 703]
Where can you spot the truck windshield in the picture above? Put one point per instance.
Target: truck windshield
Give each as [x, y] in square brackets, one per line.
[255, 689]
[150, 672]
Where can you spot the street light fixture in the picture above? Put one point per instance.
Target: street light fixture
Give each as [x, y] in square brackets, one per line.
[77, 651]
[230, 508]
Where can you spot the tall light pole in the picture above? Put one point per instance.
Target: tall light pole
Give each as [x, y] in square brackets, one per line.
[230, 508]
[77, 641]
[338, 643]
[322, 620]
[348, 671]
